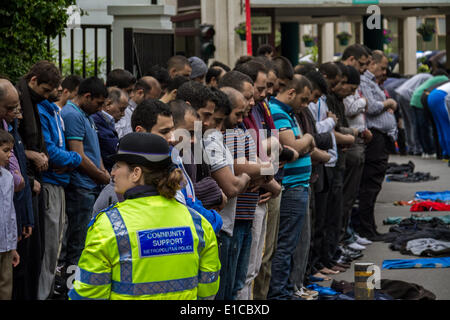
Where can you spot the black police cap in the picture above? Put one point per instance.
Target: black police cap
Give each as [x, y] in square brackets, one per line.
[145, 149]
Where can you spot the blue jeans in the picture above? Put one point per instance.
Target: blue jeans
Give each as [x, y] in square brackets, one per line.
[226, 280]
[241, 243]
[79, 204]
[293, 210]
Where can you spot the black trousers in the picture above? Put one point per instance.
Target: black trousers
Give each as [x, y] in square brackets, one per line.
[31, 252]
[328, 220]
[354, 166]
[375, 166]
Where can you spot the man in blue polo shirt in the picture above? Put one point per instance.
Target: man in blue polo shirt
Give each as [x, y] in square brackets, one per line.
[295, 196]
[82, 138]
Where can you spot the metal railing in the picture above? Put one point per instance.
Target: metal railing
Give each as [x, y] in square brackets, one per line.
[72, 50]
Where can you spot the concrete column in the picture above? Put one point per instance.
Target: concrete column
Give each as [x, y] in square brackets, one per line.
[208, 11]
[408, 62]
[148, 17]
[302, 44]
[326, 42]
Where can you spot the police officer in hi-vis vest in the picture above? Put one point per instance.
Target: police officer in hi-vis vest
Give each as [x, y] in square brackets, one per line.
[149, 246]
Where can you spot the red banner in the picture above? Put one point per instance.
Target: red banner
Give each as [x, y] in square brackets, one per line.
[248, 27]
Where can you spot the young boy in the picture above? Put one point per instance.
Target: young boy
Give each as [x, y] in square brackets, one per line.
[8, 232]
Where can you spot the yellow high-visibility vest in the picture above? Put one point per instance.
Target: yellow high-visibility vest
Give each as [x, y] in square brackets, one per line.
[148, 248]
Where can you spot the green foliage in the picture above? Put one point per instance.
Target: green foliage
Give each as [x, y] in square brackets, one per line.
[314, 52]
[78, 66]
[343, 35]
[307, 38]
[241, 28]
[426, 29]
[423, 68]
[24, 28]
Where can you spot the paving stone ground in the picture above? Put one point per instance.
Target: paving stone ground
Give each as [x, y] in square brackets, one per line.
[435, 280]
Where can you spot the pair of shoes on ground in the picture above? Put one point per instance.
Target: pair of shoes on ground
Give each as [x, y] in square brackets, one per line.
[360, 243]
[348, 254]
[306, 294]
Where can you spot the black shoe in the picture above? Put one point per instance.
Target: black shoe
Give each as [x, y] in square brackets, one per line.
[352, 254]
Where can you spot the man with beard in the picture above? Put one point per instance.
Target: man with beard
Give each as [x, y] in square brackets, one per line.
[35, 87]
[55, 179]
[260, 120]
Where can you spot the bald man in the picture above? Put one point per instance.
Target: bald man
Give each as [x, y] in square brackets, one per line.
[9, 106]
[9, 102]
[155, 91]
[179, 66]
[146, 88]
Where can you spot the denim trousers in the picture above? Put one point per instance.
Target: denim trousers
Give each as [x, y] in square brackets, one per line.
[79, 204]
[226, 281]
[241, 244]
[293, 210]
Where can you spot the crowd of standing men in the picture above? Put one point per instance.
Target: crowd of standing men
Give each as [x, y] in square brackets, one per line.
[285, 153]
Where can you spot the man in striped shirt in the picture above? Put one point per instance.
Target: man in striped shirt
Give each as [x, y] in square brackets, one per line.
[295, 195]
[243, 149]
[381, 122]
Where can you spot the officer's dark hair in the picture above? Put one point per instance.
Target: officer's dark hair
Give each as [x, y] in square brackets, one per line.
[354, 76]
[94, 86]
[71, 82]
[235, 79]
[284, 67]
[223, 102]
[142, 85]
[195, 93]
[161, 74]
[355, 50]
[5, 137]
[252, 69]
[179, 108]
[243, 59]
[330, 70]
[265, 49]
[176, 83]
[213, 72]
[120, 78]
[146, 114]
[45, 72]
[166, 180]
[304, 68]
[178, 62]
[318, 81]
[220, 64]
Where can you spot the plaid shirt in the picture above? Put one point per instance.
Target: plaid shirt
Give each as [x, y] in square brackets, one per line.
[376, 116]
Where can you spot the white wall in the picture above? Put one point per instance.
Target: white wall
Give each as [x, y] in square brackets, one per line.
[97, 14]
